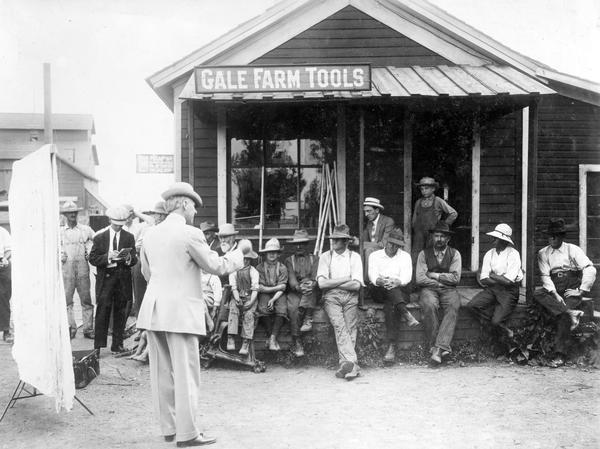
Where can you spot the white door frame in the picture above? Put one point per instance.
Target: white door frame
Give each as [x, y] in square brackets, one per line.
[584, 169]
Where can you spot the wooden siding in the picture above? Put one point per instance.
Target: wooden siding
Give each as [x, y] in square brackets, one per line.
[70, 183]
[205, 158]
[500, 189]
[351, 36]
[569, 136]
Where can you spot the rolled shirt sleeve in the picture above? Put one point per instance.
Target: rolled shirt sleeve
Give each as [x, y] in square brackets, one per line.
[217, 289]
[421, 272]
[405, 268]
[544, 266]
[513, 266]
[254, 279]
[486, 266]
[585, 265]
[373, 273]
[323, 267]
[356, 268]
[233, 280]
[451, 213]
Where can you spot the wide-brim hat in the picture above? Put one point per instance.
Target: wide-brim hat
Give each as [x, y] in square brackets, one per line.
[251, 254]
[272, 245]
[502, 232]
[207, 226]
[300, 236]
[159, 208]
[374, 202]
[556, 226]
[396, 238]
[427, 181]
[227, 229]
[443, 227]
[69, 206]
[182, 189]
[118, 214]
[341, 231]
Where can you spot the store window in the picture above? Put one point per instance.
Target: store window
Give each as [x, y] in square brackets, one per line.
[291, 145]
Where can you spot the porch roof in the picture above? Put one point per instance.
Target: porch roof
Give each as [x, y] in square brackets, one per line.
[415, 81]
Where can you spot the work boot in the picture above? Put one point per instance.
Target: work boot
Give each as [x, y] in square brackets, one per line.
[436, 355]
[410, 320]
[244, 348]
[306, 325]
[345, 368]
[298, 349]
[390, 355]
[230, 343]
[273, 344]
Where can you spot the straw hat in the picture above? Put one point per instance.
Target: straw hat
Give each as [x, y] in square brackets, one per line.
[502, 232]
[226, 230]
[300, 236]
[341, 231]
[374, 202]
[427, 181]
[206, 226]
[251, 254]
[556, 226]
[69, 206]
[159, 208]
[271, 246]
[442, 227]
[118, 214]
[396, 238]
[182, 189]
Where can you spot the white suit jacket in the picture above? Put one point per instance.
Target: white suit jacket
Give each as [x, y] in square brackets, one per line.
[173, 255]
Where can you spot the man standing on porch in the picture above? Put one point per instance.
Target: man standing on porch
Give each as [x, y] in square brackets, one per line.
[340, 276]
[567, 276]
[428, 211]
[438, 273]
[500, 274]
[376, 231]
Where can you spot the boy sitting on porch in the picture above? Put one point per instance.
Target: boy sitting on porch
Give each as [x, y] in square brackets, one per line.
[302, 294]
[500, 274]
[244, 290]
[340, 276]
[390, 272]
[428, 211]
[272, 302]
[567, 276]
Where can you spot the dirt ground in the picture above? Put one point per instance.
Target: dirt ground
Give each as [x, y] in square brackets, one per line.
[477, 406]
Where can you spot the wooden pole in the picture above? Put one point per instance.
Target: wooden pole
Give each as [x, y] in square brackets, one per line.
[262, 207]
[190, 140]
[407, 166]
[321, 193]
[48, 138]
[532, 176]
[475, 196]
[361, 189]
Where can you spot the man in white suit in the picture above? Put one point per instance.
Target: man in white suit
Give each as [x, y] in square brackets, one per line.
[173, 311]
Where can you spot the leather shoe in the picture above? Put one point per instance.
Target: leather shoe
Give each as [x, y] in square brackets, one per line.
[169, 438]
[390, 355]
[200, 440]
[118, 350]
[89, 335]
[72, 332]
[345, 368]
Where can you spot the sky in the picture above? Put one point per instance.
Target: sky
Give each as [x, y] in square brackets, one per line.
[101, 52]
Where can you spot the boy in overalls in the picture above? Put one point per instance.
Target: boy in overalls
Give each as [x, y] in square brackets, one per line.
[272, 302]
[244, 292]
[302, 294]
[567, 275]
[427, 213]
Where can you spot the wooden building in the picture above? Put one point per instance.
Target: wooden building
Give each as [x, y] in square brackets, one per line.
[509, 138]
[23, 133]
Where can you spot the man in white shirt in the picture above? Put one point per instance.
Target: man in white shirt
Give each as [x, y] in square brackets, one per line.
[340, 276]
[76, 241]
[500, 274]
[567, 276]
[390, 272]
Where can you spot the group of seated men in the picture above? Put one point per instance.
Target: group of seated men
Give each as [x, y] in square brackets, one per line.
[288, 290]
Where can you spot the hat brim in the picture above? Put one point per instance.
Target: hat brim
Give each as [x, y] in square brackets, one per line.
[499, 236]
[396, 241]
[176, 191]
[368, 203]
[432, 231]
[339, 236]
[553, 232]
[251, 255]
[118, 222]
[211, 229]
[301, 240]
[436, 185]
[228, 234]
[269, 250]
[66, 211]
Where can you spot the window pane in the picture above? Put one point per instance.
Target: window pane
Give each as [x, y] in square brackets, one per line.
[245, 197]
[246, 153]
[282, 152]
[310, 182]
[281, 198]
[316, 152]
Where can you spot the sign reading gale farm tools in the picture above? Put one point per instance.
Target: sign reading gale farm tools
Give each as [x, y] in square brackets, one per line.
[210, 80]
[155, 163]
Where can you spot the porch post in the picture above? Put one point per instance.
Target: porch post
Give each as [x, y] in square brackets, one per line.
[190, 139]
[524, 191]
[177, 103]
[475, 195]
[407, 165]
[221, 164]
[532, 176]
[341, 159]
[361, 187]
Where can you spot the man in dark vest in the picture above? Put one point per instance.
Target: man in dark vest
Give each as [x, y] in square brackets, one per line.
[438, 273]
[567, 276]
